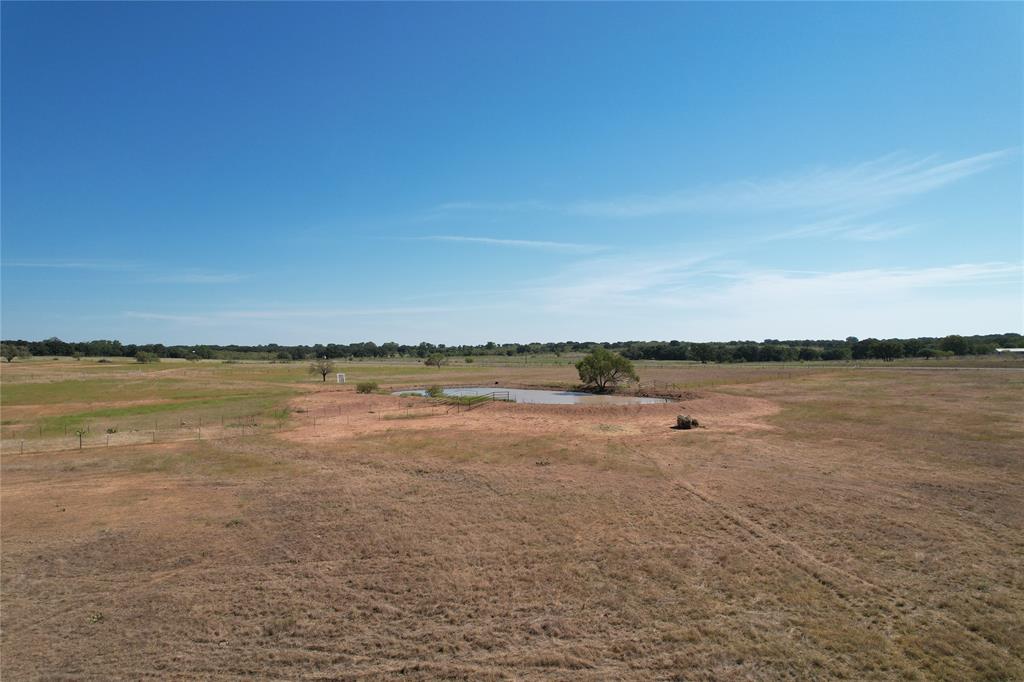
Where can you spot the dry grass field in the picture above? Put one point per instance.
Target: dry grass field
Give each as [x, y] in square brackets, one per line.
[828, 523]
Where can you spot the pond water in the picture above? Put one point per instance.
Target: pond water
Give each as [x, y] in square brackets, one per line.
[531, 395]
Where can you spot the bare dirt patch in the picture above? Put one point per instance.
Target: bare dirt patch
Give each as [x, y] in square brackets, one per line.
[345, 414]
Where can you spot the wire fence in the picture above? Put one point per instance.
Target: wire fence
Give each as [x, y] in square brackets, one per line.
[99, 435]
[103, 434]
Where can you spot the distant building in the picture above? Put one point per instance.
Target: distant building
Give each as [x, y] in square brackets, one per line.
[1010, 350]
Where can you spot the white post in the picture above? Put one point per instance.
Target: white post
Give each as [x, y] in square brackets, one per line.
[341, 377]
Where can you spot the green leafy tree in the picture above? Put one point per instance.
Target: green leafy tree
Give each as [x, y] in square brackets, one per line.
[604, 370]
[809, 353]
[702, 352]
[836, 353]
[955, 344]
[888, 350]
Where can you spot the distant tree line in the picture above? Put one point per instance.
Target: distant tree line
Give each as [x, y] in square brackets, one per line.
[769, 350]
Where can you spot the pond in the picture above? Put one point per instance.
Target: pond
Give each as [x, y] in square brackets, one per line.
[531, 395]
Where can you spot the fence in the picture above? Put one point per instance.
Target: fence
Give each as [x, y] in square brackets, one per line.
[99, 434]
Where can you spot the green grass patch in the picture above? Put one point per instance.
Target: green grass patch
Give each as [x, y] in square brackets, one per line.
[230, 406]
[107, 390]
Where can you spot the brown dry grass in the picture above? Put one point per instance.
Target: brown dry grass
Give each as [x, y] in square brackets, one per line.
[825, 525]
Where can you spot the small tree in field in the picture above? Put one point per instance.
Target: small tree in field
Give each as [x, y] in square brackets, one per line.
[603, 369]
[435, 360]
[321, 366]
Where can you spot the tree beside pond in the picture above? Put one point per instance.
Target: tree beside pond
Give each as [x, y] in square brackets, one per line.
[604, 370]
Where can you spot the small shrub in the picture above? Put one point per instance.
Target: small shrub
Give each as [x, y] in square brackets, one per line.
[686, 422]
[366, 387]
[112, 429]
[103, 361]
[435, 360]
[144, 357]
[469, 361]
[435, 391]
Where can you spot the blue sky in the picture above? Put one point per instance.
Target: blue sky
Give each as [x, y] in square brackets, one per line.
[458, 173]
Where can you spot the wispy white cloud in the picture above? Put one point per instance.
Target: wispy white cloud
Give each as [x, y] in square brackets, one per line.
[709, 299]
[69, 264]
[870, 184]
[618, 280]
[561, 247]
[875, 233]
[139, 270]
[164, 317]
[859, 187]
[873, 284]
[850, 228]
[700, 282]
[198, 278]
[494, 206]
[285, 314]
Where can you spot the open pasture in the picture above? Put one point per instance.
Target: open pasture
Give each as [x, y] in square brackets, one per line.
[829, 522]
